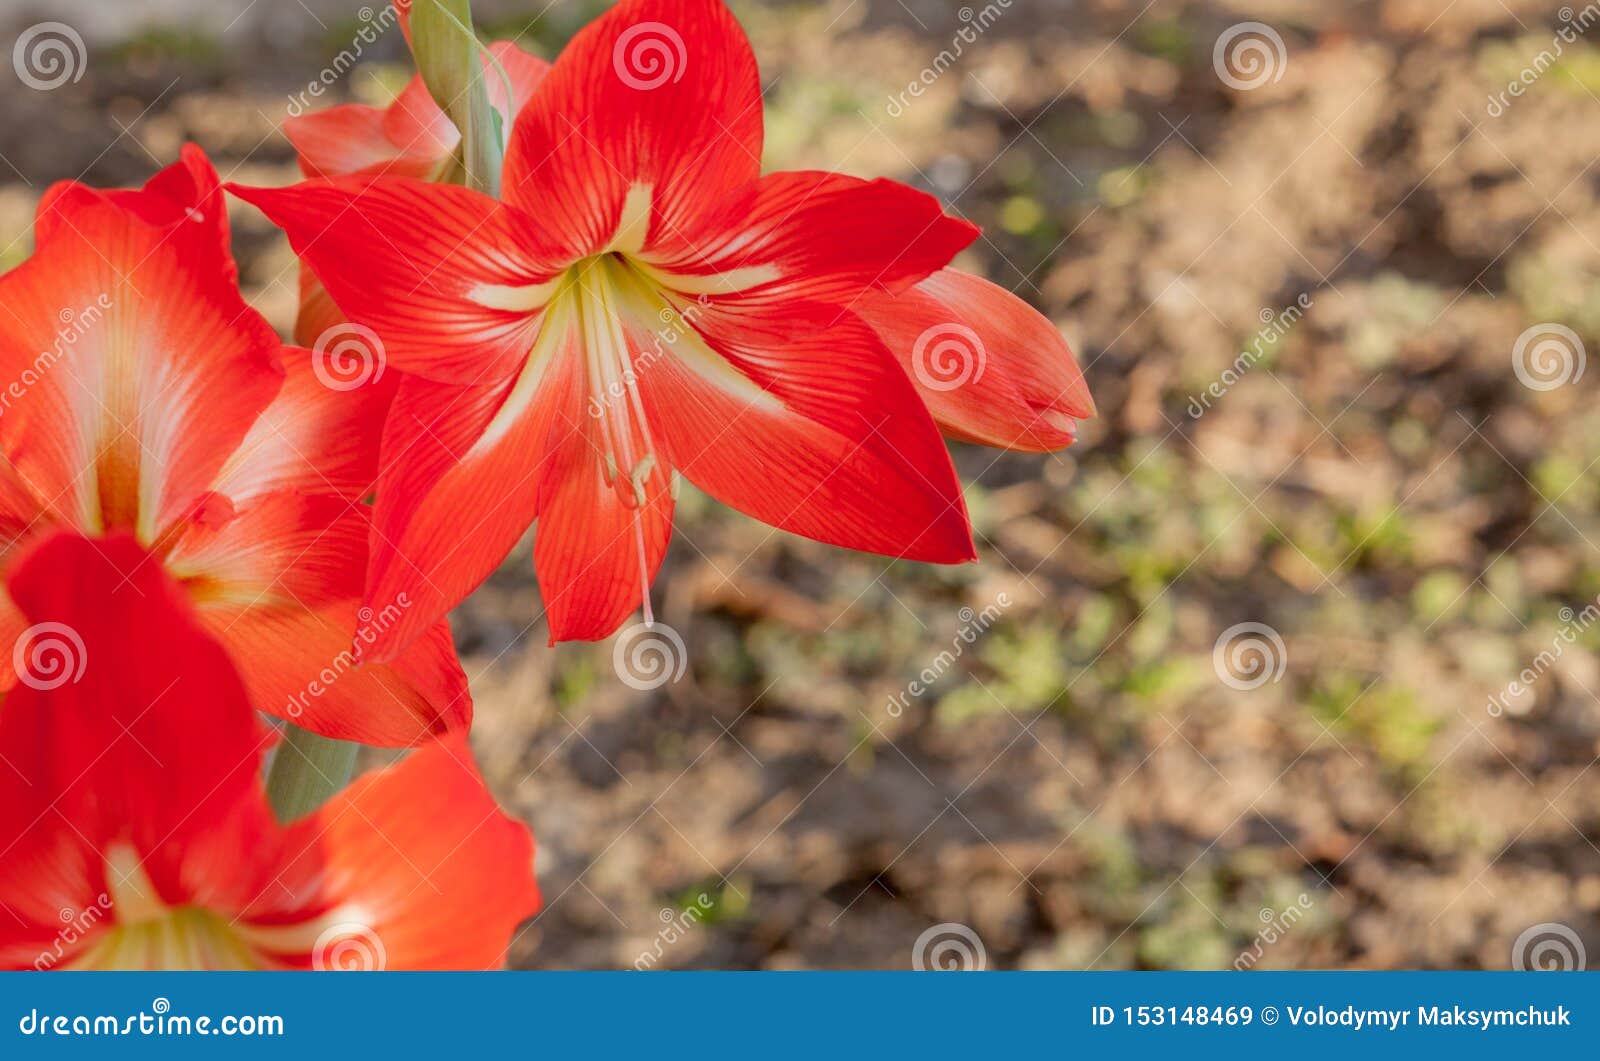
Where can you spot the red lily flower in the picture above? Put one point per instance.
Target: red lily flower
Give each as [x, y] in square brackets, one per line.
[143, 395]
[134, 827]
[412, 137]
[643, 303]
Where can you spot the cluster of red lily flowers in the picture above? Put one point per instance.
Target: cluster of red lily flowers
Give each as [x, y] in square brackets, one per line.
[186, 543]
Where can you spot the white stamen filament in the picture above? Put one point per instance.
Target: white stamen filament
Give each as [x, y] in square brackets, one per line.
[619, 408]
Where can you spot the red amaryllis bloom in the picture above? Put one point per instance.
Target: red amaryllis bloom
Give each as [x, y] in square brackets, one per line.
[141, 394]
[643, 303]
[135, 831]
[412, 137]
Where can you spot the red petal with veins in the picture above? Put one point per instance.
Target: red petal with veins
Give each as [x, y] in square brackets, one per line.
[411, 137]
[834, 445]
[990, 367]
[280, 585]
[424, 868]
[655, 93]
[421, 265]
[135, 795]
[353, 137]
[319, 435]
[464, 471]
[184, 200]
[141, 733]
[813, 237]
[600, 538]
[137, 371]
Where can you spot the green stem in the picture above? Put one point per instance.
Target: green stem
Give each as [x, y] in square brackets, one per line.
[449, 57]
[306, 771]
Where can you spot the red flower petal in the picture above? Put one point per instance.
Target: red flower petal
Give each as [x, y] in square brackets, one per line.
[136, 372]
[423, 265]
[319, 435]
[422, 867]
[149, 738]
[991, 368]
[148, 761]
[464, 470]
[834, 445]
[411, 137]
[184, 200]
[601, 536]
[652, 93]
[353, 137]
[818, 237]
[298, 665]
[279, 585]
